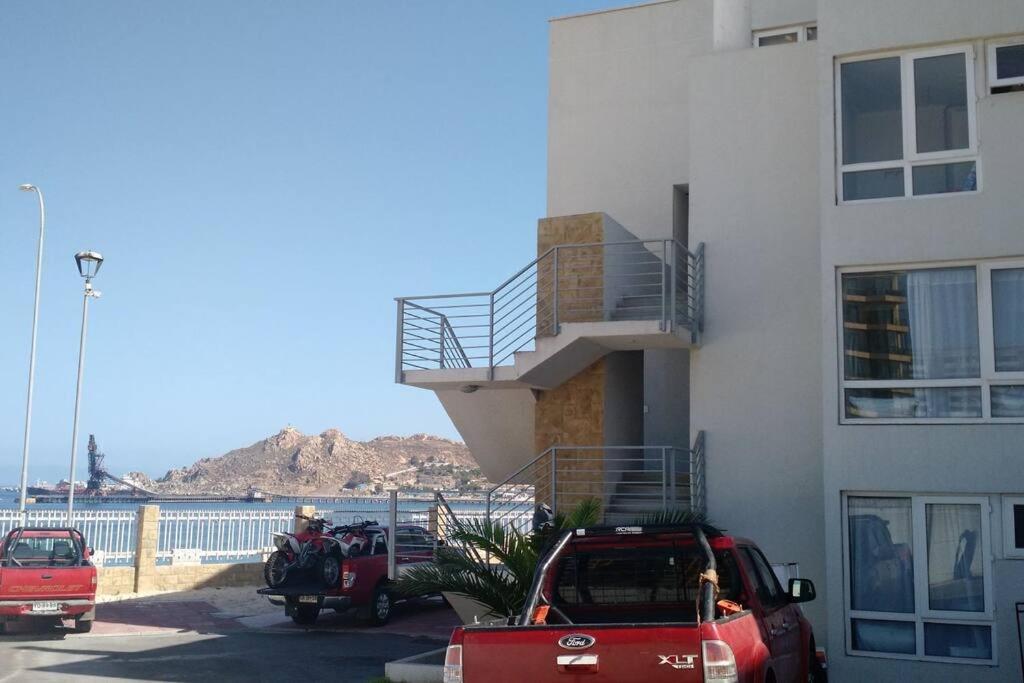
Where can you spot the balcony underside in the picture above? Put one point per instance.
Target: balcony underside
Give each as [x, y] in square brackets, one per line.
[558, 358]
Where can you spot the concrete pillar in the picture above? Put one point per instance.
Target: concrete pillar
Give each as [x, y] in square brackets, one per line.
[432, 519]
[147, 535]
[731, 25]
[305, 511]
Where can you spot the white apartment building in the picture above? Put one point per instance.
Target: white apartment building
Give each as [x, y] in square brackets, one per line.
[803, 222]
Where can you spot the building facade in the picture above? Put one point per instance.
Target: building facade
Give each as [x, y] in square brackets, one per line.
[781, 281]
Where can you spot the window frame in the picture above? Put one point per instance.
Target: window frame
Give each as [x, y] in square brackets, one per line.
[992, 63]
[799, 29]
[922, 613]
[911, 158]
[987, 378]
[1010, 551]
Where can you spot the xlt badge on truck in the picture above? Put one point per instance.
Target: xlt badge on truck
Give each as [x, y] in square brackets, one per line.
[577, 641]
[678, 661]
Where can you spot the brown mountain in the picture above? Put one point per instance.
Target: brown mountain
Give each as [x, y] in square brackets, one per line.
[292, 463]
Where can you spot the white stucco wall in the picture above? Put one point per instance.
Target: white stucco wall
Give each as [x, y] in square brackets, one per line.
[755, 382]
[618, 111]
[919, 458]
[775, 13]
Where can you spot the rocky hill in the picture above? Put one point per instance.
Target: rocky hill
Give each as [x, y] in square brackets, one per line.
[329, 463]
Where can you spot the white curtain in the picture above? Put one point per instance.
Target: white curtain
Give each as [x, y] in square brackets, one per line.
[1008, 318]
[942, 307]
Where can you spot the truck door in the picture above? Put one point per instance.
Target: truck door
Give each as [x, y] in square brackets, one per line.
[781, 625]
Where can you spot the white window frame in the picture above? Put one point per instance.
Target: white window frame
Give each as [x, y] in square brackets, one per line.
[988, 376]
[799, 29]
[911, 158]
[993, 79]
[1010, 551]
[922, 613]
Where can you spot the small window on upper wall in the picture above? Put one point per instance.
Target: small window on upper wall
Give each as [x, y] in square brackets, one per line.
[906, 124]
[1006, 64]
[785, 35]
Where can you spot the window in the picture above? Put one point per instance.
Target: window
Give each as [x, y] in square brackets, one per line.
[933, 344]
[766, 584]
[919, 583]
[1013, 527]
[1006, 63]
[906, 124]
[785, 35]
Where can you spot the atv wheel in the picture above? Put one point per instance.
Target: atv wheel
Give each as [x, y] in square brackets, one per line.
[275, 570]
[305, 615]
[329, 570]
[379, 610]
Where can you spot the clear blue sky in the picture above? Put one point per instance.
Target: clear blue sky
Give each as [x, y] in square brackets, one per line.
[262, 178]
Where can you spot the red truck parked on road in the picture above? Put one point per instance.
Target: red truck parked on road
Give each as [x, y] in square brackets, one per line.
[47, 574]
[660, 603]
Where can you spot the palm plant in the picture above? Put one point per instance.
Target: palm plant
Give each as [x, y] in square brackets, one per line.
[502, 585]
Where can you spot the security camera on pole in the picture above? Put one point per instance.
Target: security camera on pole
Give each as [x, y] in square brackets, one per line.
[89, 263]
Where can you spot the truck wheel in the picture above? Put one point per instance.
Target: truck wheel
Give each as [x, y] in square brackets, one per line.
[305, 615]
[815, 672]
[275, 570]
[379, 609]
[83, 626]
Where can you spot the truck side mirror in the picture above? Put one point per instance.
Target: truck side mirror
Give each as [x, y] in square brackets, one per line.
[801, 590]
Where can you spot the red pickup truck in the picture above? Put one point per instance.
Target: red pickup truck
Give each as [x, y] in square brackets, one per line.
[679, 603]
[363, 583]
[46, 574]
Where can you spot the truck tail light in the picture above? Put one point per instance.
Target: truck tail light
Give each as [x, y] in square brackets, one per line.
[453, 659]
[92, 580]
[719, 662]
[348, 579]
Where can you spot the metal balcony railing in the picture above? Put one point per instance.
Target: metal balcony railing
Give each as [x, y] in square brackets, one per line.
[631, 280]
[628, 481]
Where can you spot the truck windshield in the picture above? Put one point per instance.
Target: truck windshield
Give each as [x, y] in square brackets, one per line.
[49, 549]
[637, 584]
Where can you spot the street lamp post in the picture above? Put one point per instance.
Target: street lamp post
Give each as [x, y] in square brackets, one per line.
[32, 353]
[89, 263]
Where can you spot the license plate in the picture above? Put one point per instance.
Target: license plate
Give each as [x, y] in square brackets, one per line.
[309, 598]
[44, 606]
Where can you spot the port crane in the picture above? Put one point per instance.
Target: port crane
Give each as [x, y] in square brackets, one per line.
[98, 474]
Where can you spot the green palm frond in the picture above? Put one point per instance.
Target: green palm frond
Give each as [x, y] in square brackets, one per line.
[671, 517]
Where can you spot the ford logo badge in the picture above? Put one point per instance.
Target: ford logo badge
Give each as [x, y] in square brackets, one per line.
[576, 641]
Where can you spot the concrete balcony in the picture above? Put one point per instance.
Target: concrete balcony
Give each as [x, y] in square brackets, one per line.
[565, 310]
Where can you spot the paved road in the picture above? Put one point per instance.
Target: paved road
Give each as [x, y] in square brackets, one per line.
[242, 655]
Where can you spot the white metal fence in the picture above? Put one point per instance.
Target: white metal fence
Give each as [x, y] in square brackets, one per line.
[220, 535]
[112, 533]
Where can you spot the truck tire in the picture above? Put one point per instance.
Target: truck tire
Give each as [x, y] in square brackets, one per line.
[378, 612]
[83, 625]
[305, 615]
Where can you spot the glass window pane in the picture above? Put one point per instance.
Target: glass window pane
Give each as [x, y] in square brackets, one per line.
[958, 640]
[917, 324]
[812, 33]
[940, 102]
[1008, 319]
[876, 635]
[917, 403]
[1008, 401]
[943, 178]
[886, 182]
[955, 566]
[881, 555]
[871, 110]
[781, 39]
[1018, 527]
[1010, 61]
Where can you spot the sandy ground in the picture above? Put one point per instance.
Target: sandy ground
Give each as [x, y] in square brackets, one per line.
[229, 602]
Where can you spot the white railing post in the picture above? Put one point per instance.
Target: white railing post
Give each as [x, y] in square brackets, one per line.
[554, 294]
[399, 341]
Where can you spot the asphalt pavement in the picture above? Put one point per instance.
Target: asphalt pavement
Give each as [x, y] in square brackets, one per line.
[240, 655]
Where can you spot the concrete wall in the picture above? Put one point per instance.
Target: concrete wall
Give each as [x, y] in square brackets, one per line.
[120, 581]
[775, 13]
[919, 458]
[666, 397]
[755, 385]
[497, 426]
[618, 111]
